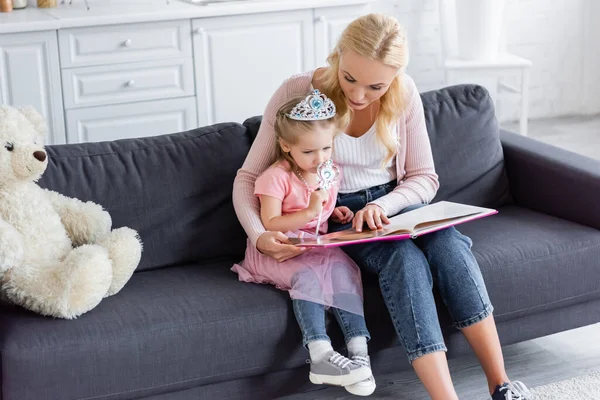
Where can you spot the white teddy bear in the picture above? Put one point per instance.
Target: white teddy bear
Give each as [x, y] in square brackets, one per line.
[58, 255]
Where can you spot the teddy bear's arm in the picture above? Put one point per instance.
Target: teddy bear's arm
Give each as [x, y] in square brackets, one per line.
[11, 246]
[85, 223]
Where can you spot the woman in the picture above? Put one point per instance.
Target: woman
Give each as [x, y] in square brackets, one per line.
[388, 168]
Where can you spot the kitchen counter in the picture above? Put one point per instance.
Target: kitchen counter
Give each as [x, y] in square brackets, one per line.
[109, 12]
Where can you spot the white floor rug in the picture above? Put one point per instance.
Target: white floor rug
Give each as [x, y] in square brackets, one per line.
[586, 387]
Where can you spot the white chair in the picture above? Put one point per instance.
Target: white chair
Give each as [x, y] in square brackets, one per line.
[488, 73]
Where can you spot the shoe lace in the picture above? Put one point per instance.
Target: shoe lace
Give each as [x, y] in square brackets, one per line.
[360, 360]
[515, 391]
[339, 360]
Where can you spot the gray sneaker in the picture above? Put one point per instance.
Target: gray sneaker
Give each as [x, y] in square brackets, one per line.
[365, 387]
[335, 369]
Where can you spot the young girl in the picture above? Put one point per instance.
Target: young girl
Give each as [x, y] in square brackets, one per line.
[291, 201]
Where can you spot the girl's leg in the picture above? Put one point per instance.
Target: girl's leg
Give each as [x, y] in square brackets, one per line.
[354, 327]
[406, 285]
[327, 366]
[463, 290]
[311, 319]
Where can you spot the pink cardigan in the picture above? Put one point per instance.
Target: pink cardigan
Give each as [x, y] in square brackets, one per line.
[417, 180]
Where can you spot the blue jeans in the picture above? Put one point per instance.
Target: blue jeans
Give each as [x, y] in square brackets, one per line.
[407, 271]
[311, 318]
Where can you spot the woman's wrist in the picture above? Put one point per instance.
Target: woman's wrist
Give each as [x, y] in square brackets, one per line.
[377, 206]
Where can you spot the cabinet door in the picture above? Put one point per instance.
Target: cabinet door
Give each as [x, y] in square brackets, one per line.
[149, 118]
[30, 75]
[329, 24]
[241, 60]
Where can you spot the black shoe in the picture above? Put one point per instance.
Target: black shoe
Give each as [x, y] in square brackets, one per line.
[511, 391]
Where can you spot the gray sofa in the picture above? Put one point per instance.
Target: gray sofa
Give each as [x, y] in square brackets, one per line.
[185, 328]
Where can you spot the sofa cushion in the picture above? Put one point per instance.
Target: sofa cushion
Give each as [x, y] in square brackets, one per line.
[534, 262]
[466, 146]
[168, 329]
[174, 189]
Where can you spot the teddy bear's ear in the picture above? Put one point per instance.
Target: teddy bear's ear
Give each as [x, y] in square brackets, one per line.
[36, 119]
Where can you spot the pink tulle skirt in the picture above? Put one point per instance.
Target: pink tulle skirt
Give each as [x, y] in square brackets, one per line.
[323, 276]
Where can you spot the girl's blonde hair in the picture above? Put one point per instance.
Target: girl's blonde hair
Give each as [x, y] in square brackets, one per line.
[289, 130]
[377, 37]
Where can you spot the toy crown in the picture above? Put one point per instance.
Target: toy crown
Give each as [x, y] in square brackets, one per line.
[316, 106]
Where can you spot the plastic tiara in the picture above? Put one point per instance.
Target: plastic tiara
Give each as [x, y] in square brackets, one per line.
[316, 106]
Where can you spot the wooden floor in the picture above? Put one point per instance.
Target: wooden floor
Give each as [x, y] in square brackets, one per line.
[536, 362]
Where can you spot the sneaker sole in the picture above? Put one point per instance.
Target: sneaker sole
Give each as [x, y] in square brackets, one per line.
[341, 380]
[361, 390]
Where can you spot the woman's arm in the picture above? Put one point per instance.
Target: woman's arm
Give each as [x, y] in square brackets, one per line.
[420, 183]
[260, 156]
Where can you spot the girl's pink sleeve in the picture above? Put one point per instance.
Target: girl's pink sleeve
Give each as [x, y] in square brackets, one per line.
[273, 182]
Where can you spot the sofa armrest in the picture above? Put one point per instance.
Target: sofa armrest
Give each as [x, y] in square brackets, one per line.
[551, 180]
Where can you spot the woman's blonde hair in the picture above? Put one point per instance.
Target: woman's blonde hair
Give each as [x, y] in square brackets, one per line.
[377, 37]
[289, 130]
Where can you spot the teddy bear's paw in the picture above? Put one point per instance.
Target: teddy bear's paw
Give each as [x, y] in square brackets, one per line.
[11, 248]
[88, 272]
[125, 250]
[64, 289]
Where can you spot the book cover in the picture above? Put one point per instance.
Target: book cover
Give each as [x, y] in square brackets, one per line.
[412, 224]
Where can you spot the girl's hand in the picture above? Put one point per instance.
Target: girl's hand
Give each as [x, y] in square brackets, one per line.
[317, 200]
[372, 215]
[342, 215]
[277, 245]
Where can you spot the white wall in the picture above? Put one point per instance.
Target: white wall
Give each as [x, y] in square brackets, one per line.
[560, 37]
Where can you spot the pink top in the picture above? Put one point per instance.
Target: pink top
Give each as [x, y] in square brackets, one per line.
[282, 183]
[415, 172]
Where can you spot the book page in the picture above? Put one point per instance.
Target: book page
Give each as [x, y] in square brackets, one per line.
[433, 214]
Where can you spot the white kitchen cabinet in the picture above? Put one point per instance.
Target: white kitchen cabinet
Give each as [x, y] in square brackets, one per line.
[102, 74]
[241, 60]
[150, 118]
[329, 24]
[109, 44]
[30, 75]
[122, 83]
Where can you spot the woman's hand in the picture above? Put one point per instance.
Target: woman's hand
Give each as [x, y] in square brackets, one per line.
[342, 215]
[372, 215]
[277, 245]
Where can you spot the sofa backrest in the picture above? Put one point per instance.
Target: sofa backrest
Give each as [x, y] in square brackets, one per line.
[466, 147]
[174, 189]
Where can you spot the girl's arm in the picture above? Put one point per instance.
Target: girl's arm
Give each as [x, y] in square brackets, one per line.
[270, 213]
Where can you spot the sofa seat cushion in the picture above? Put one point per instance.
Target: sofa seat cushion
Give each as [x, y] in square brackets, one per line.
[534, 262]
[168, 329]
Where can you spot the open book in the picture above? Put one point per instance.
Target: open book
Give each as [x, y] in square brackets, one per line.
[427, 219]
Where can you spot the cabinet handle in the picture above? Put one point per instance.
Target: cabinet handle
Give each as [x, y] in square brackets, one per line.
[127, 43]
[321, 19]
[130, 83]
[199, 31]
